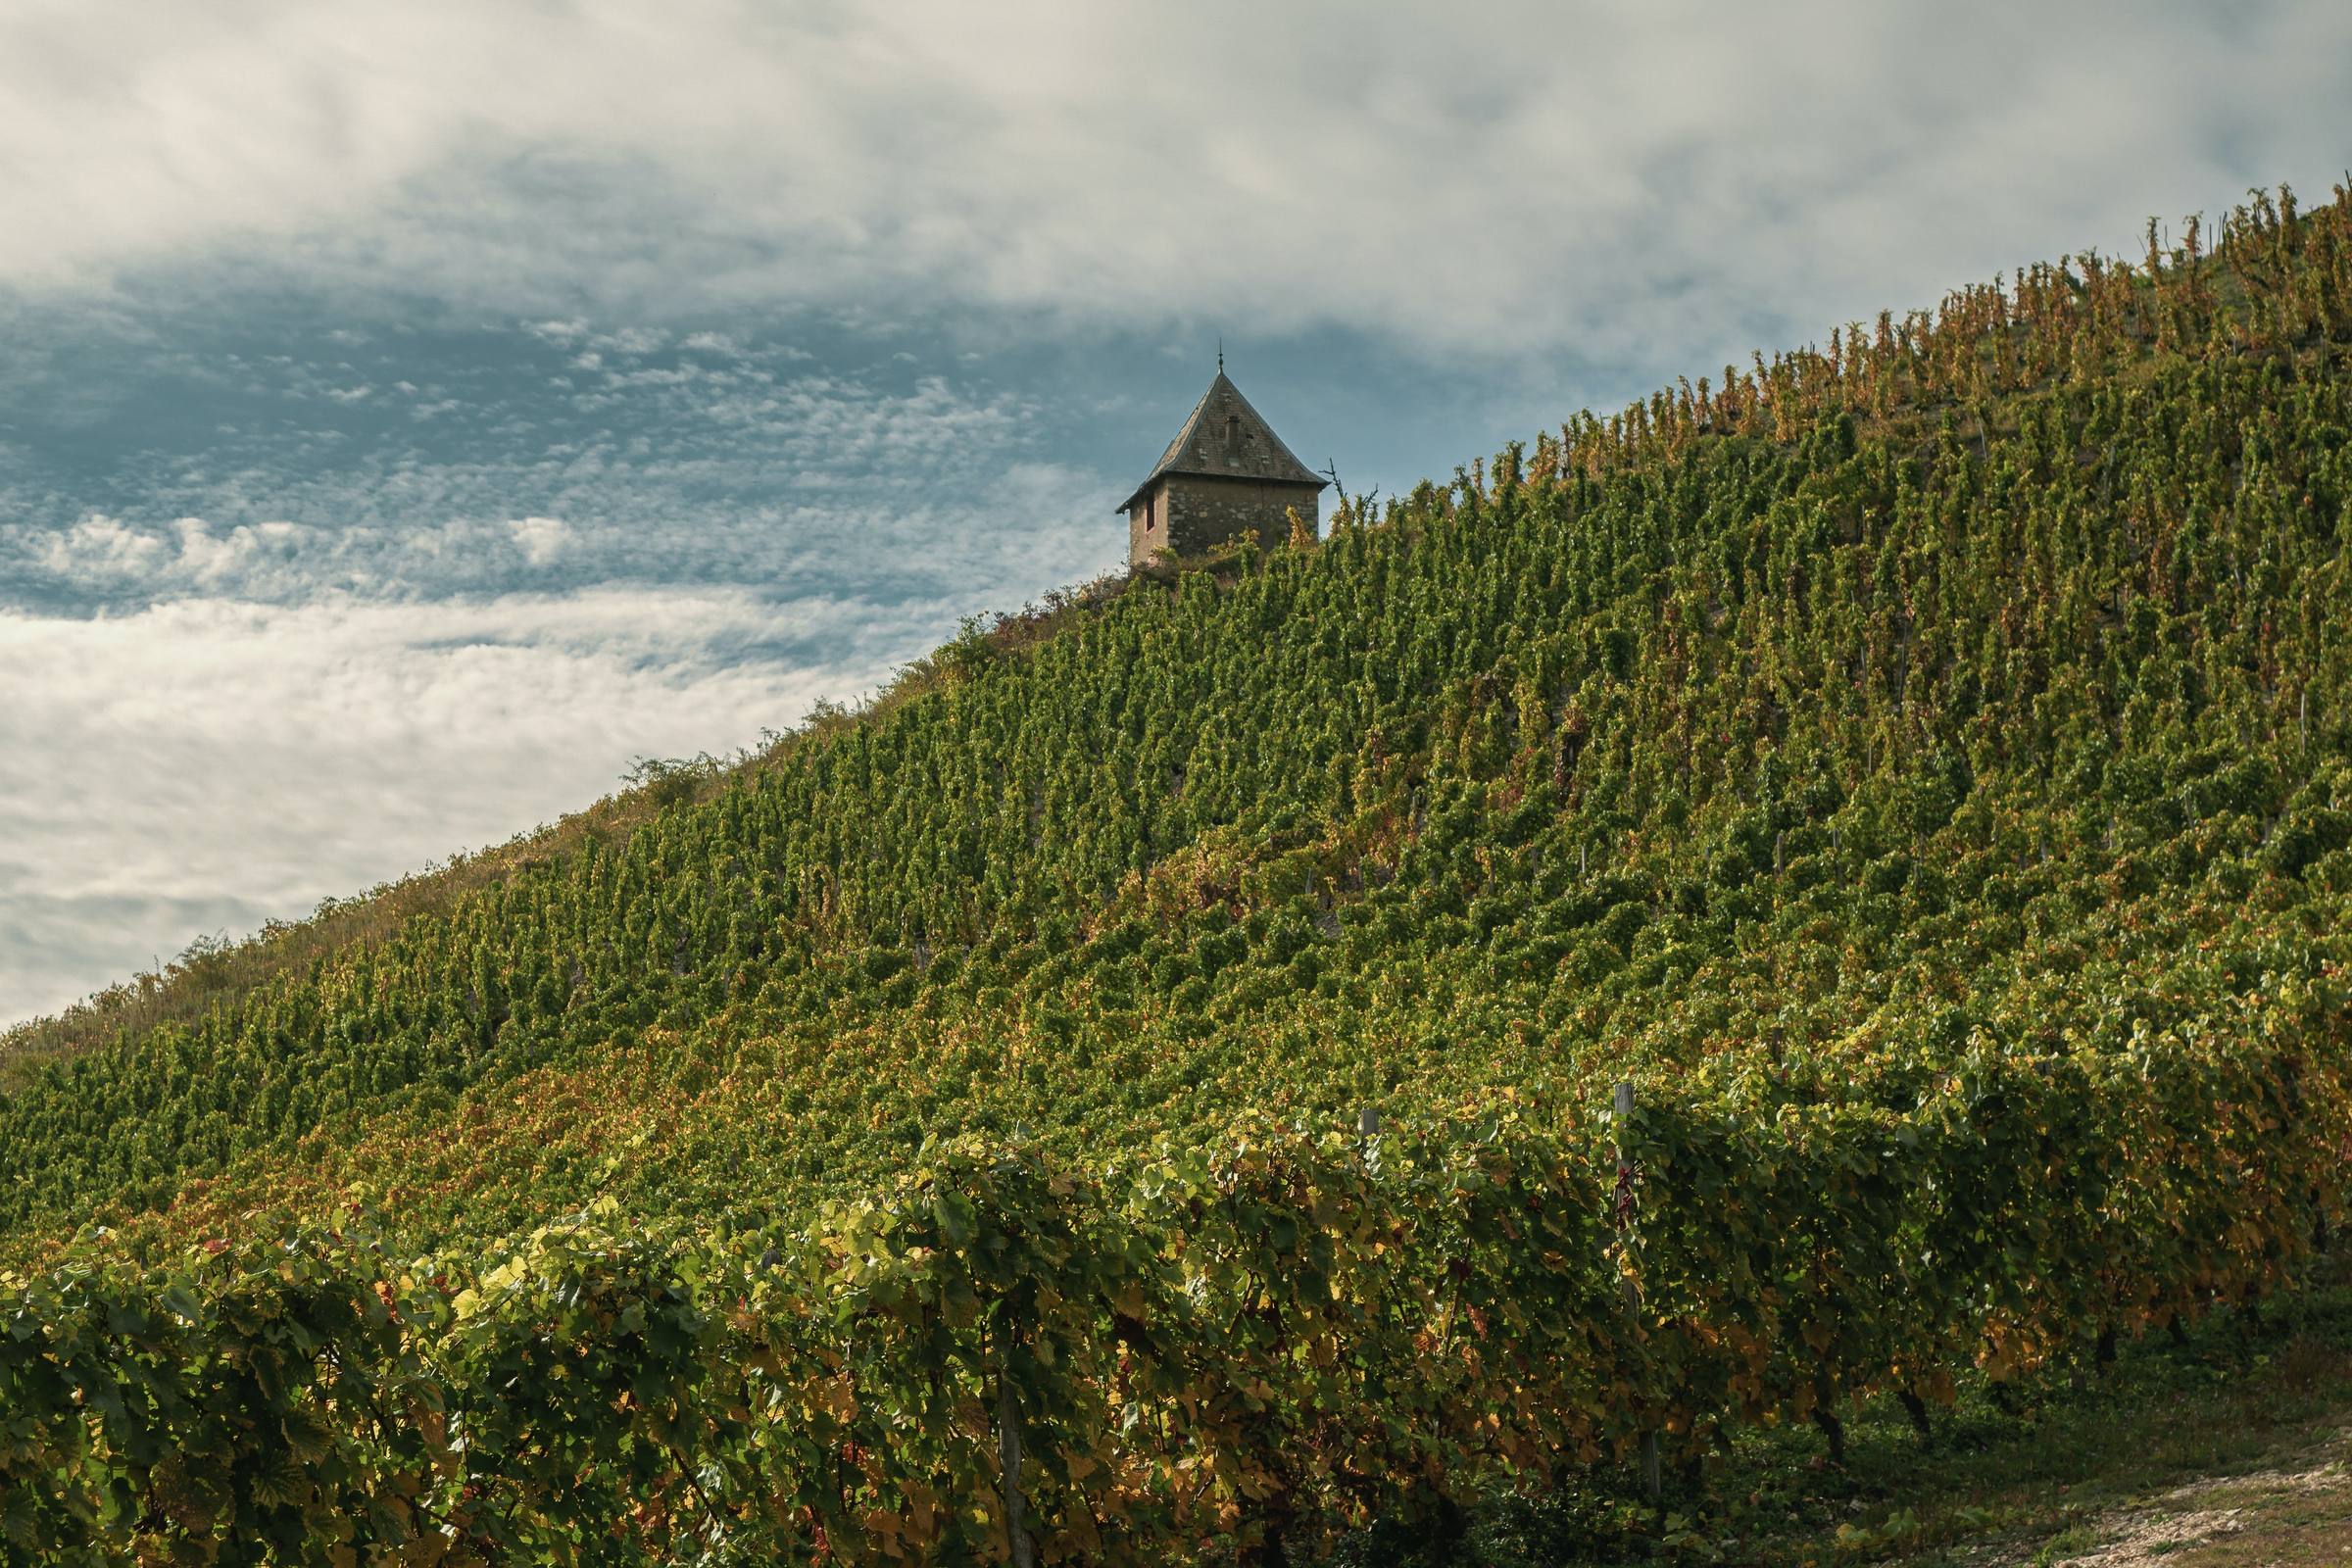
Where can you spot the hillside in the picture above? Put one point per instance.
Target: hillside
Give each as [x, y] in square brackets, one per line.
[1931, 728]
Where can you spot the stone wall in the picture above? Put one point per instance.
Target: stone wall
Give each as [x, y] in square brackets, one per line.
[1146, 526]
[1202, 513]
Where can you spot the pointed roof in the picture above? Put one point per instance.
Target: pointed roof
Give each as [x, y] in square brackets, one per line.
[1227, 439]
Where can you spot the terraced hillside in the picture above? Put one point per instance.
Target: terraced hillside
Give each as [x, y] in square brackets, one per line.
[1920, 767]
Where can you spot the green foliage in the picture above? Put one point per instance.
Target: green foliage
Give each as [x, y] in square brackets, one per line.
[668, 781]
[1277, 1342]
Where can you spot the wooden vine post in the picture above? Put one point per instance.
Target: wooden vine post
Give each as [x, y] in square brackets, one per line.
[1008, 1449]
[1622, 1109]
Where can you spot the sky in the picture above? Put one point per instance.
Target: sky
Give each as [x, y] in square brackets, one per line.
[412, 415]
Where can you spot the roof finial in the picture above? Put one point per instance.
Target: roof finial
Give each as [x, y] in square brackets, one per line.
[1220, 354]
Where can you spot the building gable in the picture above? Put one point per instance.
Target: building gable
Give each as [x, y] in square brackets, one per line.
[1225, 438]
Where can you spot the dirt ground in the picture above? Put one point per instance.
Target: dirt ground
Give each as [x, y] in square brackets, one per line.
[2299, 1512]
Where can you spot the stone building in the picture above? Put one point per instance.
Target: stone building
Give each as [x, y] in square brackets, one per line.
[1225, 472]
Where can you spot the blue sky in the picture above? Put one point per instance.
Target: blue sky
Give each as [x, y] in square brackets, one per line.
[408, 417]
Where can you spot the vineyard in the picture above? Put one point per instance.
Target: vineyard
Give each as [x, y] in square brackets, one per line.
[1143, 1090]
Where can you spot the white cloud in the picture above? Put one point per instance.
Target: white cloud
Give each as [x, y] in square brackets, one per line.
[542, 538]
[101, 547]
[633, 340]
[212, 762]
[1508, 176]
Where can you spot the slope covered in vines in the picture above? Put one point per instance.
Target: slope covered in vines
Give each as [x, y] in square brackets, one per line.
[1981, 678]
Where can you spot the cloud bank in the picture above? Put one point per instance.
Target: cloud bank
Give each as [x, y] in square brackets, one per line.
[1498, 177]
[211, 764]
